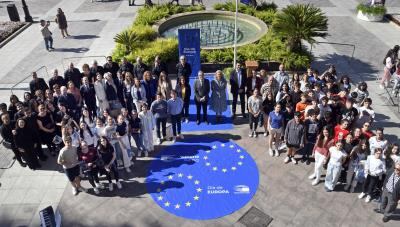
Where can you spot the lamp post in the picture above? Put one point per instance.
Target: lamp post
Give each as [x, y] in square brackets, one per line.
[28, 17]
[235, 39]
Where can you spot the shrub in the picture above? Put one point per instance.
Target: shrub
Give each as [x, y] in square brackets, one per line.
[144, 32]
[373, 10]
[126, 38]
[267, 6]
[167, 49]
[267, 16]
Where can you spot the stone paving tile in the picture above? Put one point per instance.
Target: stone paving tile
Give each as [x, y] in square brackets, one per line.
[15, 196]
[36, 7]
[7, 212]
[107, 6]
[34, 195]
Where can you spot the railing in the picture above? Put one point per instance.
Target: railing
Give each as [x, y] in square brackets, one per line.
[25, 78]
[339, 44]
[66, 61]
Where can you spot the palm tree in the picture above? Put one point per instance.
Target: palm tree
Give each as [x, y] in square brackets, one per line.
[300, 22]
[126, 38]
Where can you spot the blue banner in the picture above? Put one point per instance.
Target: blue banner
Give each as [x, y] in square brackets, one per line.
[189, 46]
[202, 178]
[246, 2]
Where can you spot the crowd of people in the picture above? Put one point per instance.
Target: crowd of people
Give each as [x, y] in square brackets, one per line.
[91, 118]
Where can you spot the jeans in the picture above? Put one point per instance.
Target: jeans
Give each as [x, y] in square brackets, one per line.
[93, 176]
[176, 124]
[138, 141]
[48, 42]
[319, 163]
[308, 149]
[161, 123]
[253, 121]
[370, 184]
[332, 175]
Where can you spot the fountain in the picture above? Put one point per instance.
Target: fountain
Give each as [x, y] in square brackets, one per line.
[217, 28]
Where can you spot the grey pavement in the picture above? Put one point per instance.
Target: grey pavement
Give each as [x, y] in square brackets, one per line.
[284, 192]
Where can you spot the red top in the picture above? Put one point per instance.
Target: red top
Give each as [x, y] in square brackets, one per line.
[339, 131]
[368, 134]
[324, 150]
[88, 157]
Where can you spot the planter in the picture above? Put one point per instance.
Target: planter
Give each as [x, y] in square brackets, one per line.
[369, 17]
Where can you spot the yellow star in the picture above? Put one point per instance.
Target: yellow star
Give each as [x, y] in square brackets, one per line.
[166, 204]
[177, 206]
[208, 164]
[180, 175]
[233, 168]
[160, 198]
[199, 190]
[196, 182]
[196, 198]
[170, 177]
[188, 204]
[190, 177]
[224, 170]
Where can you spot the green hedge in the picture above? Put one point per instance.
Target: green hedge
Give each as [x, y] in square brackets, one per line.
[147, 45]
[373, 10]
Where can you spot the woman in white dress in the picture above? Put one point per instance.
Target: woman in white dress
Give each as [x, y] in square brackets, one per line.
[147, 126]
[120, 151]
[101, 93]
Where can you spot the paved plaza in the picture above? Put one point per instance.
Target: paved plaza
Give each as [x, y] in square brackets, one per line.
[284, 192]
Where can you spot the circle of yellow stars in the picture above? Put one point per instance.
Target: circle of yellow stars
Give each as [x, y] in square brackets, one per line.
[224, 169]
[188, 203]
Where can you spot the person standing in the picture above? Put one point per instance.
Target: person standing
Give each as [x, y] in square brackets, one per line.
[275, 125]
[183, 68]
[88, 94]
[89, 157]
[175, 105]
[150, 85]
[138, 93]
[107, 154]
[253, 82]
[37, 84]
[25, 143]
[146, 127]
[312, 125]
[337, 156]
[158, 67]
[201, 91]
[139, 68]
[294, 137]
[47, 35]
[61, 20]
[73, 74]
[255, 106]
[101, 93]
[238, 88]
[391, 193]
[159, 108]
[68, 158]
[56, 79]
[111, 67]
[218, 95]
[183, 91]
[281, 76]
[6, 133]
[375, 167]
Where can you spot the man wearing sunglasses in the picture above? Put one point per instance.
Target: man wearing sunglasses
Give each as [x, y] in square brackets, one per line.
[391, 193]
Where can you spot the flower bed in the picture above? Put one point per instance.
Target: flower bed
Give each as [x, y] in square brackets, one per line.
[8, 28]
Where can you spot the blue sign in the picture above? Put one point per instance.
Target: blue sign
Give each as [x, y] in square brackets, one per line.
[202, 178]
[246, 2]
[189, 46]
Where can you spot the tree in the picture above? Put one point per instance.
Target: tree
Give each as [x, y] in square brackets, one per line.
[300, 22]
[126, 38]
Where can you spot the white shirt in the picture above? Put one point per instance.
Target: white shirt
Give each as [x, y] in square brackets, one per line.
[375, 166]
[336, 156]
[373, 144]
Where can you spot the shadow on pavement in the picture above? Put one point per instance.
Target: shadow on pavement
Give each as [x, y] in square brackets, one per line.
[85, 37]
[74, 50]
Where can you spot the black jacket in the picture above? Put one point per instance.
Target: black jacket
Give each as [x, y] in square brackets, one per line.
[126, 67]
[59, 80]
[184, 70]
[38, 84]
[396, 190]
[24, 139]
[158, 69]
[233, 80]
[88, 95]
[73, 75]
[111, 68]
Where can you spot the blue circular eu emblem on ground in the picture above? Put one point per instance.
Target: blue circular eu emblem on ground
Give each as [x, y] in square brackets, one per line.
[202, 178]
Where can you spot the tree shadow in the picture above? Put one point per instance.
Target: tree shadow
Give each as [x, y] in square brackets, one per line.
[85, 37]
[74, 50]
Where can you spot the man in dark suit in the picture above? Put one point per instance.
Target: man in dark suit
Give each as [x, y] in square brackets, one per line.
[69, 101]
[96, 68]
[139, 68]
[37, 84]
[183, 68]
[201, 91]
[238, 88]
[391, 193]
[56, 79]
[158, 67]
[88, 95]
[73, 74]
[111, 67]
